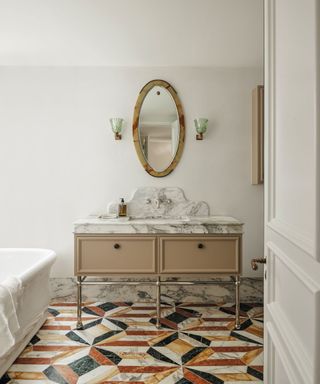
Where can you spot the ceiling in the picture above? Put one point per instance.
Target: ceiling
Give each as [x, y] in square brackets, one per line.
[220, 33]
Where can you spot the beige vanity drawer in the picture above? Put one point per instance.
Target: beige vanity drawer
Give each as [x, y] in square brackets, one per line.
[104, 255]
[201, 254]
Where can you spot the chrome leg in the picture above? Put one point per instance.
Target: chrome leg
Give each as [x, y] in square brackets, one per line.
[79, 303]
[237, 284]
[158, 286]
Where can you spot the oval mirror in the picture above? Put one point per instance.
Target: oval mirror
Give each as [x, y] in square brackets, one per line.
[158, 128]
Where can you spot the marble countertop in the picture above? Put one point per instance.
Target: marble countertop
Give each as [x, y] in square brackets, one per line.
[193, 224]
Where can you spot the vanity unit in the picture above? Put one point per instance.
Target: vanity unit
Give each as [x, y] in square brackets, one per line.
[165, 236]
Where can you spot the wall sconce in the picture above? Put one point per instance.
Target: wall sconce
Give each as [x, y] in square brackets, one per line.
[201, 127]
[116, 126]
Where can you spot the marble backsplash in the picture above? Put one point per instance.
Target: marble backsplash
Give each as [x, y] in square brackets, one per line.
[149, 202]
[64, 290]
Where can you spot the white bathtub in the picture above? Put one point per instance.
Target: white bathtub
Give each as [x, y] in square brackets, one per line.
[32, 267]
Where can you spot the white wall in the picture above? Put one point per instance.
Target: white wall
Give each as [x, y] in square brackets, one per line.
[132, 32]
[59, 160]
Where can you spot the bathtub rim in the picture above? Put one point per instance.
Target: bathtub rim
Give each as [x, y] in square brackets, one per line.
[47, 259]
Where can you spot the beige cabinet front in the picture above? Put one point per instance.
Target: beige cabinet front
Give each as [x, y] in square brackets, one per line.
[216, 254]
[106, 255]
[171, 254]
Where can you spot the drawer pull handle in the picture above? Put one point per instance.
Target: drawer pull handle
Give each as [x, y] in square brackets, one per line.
[200, 246]
[116, 246]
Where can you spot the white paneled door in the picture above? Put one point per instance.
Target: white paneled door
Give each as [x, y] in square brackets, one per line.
[292, 195]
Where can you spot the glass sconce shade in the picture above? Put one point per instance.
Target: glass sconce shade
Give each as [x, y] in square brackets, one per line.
[116, 126]
[201, 125]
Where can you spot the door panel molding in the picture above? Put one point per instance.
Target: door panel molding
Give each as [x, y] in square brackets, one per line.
[312, 285]
[287, 337]
[295, 255]
[271, 219]
[269, 354]
[293, 235]
[295, 372]
[293, 318]
[292, 283]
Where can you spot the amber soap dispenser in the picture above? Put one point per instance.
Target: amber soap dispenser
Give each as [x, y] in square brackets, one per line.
[122, 211]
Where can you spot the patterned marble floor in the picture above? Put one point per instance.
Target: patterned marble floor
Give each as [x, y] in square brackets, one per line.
[120, 343]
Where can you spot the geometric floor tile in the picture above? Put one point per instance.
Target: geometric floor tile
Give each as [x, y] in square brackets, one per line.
[119, 343]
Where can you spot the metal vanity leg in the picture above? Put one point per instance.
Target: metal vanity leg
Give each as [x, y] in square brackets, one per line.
[79, 303]
[158, 304]
[237, 284]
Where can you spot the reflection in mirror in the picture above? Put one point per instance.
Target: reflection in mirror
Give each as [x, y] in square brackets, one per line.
[158, 128]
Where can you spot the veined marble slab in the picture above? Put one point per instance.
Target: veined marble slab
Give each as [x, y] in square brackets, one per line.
[151, 202]
[64, 290]
[197, 224]
[160, 210]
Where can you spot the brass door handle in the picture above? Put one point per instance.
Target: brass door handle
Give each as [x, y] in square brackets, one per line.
[260, 260]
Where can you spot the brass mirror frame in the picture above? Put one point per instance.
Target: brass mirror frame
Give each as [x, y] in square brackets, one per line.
[135, 127]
